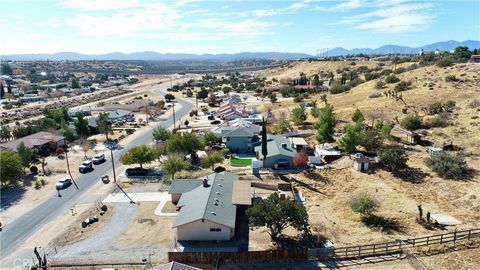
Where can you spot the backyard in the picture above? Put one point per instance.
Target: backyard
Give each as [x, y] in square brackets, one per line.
[240, 162]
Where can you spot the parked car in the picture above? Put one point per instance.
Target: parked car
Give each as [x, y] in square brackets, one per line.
[216, 146]
[136, 172]
[88, 221]
[86, 166]
[63, 183]
[99, 159]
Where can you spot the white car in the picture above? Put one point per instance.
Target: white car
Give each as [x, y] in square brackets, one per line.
[99, 159]
[63, 183]
[86, 166]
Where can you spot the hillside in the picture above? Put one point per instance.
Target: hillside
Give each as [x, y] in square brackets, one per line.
[328, 191]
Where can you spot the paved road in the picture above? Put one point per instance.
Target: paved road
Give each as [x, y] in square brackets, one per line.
[18, 231]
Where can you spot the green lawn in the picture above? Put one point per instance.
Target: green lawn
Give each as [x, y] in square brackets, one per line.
[240, 162]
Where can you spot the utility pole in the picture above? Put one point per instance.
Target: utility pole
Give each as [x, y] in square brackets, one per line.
[68, 167]
[196, 99]
[173, 107]
[113, 166]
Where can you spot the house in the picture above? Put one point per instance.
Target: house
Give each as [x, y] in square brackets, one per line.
[240, 139]
[174, 266]
[206, 208]
[412, 137]
[41, 141]
[32, 98]
[231, 111]
[280, 152]
[327, 153]
[298, 143]
[474, 58]
[361, 164]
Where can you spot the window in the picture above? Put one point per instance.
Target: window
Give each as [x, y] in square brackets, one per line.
[215, 229]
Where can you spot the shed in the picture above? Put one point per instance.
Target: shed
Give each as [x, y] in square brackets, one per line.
[361, 164]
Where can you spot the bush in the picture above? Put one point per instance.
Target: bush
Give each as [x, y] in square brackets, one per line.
[447, 165]
[43, 182]
[372, 76]
[379, 85]
[435, 108]
[364, 204]
[402, 86]
[392, 79]
[340, 89]
[411, 122]
[451, 78]
[393, 157]
[37, 184]
[438, 121]
[444, 62]
[400, 70]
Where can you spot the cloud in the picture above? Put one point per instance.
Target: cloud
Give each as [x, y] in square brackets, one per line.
[98, 5]
[392, 17]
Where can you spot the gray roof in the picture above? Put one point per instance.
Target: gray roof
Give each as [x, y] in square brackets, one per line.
[239, 131]
[184, 185]
[274, 146]
[174, 266]
[213, 203]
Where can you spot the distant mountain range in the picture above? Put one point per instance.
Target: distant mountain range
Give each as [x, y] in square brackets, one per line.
[386, 49]
[155, 56]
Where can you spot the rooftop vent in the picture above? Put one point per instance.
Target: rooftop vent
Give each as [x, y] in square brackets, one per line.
[213, 213]
[218, 193]
[220, 185]
[284, 145]
[205, 182]
[215, 203]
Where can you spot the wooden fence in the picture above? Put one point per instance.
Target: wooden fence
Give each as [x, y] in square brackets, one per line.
[239, 257]
[390, 247]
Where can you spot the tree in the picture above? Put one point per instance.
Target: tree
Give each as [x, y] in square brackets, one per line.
[277, 214]
[5, 133]
[364, 204]
[411, 122]
[26, 154]
[351, 138]
[282, 124]
[202, 94]
[85, 147]
[138, 155]
[300, 159]
[6, 69]
[272, 97]
[392, 79]
[173, 164]
[74, 83]
[158, 151]
[315, 111]
[169, 97]
[393, 157]
[2, 90]
[12, 168]
[370, 139]
[103, 124]
[447, 165]
[384, 128]
[184, 143]
[264, 139]
[81, 125]
[210, 138]
[298, 114]
[213, 158]
[161, 134]
[326, 124]
[358, 117]
[316, 80]
[67, 131]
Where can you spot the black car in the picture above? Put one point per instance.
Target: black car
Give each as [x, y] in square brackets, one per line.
[136, 172]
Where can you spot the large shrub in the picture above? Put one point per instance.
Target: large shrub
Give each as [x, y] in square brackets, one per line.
[364, 204]
[411, 122]
[447, 165]
[392, 79]
[393, 158]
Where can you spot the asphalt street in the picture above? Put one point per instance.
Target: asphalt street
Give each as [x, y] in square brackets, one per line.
[18, 231]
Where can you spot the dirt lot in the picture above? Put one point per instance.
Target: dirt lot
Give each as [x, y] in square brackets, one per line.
[147, 228]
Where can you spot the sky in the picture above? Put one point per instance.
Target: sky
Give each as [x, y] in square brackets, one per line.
[190, 26]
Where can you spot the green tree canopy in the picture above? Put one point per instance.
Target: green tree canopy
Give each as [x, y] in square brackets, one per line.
[169, 97]
[364, 204]
[141, 154]
[213, 158]
[447, 165]
[411, 122]
[12, 168]
[282, 125]
[185, 143]
[277, 214]
[6, 69]
[26, 154]
[104, 125]
[5, 132]
[326, 124]
[358, 117]
[298, 114]
[174, 164]
[351, 138]
[81, 125]
[210, 138]
[393, 157]
[371, 140]
[161, 134]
